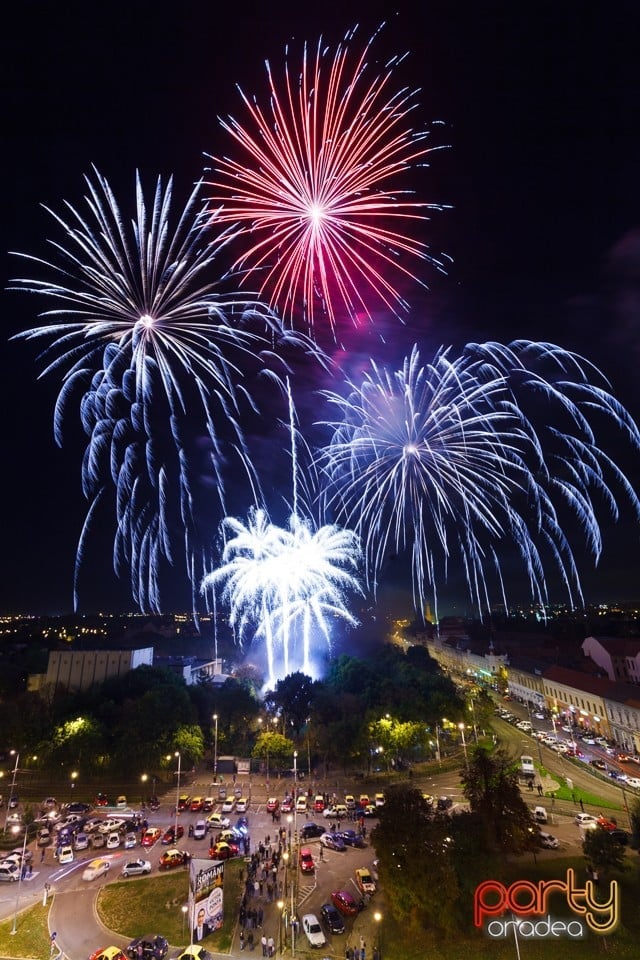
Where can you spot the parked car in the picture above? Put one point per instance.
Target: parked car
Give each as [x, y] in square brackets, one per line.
[136, 868]
[585, 820]
[540, 814]
[379, 799]
[9, 872]
[351, 838]
[96, 869]
[287, 805]
[331, 918]
[43, 837]
[301, 807]
[242, 804]
[318, 803]
[229, 805]
[184, 802]
[345, 902]
[113, 841]
[208, 804]
[171, 859]
[197, 804]
[306, 860]
[98, 840]
[223, 850]
[195, 952]
[333, 842]
[151, 946]
[217, 820]
[199, 830]
[81, 841]
[313, 930]
[272, 804]
[633, 782]
[364, 881]
[310, 830]
[130, 841]
[170, 836]
[65, 854]
[77, 807]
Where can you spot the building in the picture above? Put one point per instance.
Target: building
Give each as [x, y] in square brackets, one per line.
[81, 669]
[618, 657]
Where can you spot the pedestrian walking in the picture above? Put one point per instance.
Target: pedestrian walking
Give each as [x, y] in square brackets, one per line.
[263, 941]
[581, 805]
[242, 939]
[271, 947]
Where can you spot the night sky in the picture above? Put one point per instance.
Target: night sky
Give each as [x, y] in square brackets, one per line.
[539, 105]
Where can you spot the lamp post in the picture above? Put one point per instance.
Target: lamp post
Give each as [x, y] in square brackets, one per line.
[74, 777]
[13, 785]
[185, 910]
[473, 714]
[285, 857]
[515, 936]
[143, 780]
[215, 747]
[464, 744]
[378, 919]
[295, 795]
[175, 825]
[438, 746]
[280, 906]
[16, 830]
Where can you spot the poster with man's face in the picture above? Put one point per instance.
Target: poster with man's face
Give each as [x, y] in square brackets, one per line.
[206, 897]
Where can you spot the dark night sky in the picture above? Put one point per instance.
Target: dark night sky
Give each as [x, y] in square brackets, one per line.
[540, 104]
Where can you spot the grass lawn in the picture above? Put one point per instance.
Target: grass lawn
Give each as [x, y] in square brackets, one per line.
[133, 907]
[31, 939]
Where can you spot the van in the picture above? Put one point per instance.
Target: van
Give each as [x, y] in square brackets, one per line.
[540, 814]
[9, 872]
[199, 830]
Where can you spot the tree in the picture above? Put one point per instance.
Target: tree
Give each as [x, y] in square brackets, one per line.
[490, 784]
[603, 851]
[274, 748]
[292, 698]
[416, 867]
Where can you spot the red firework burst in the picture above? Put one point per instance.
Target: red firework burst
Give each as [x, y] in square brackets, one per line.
[314, 188]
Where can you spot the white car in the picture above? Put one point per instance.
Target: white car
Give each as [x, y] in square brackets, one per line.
[113, 841]
[199, 830]
[241, 805]
[585, 820]
[301, 807]
[65, 854]
[548, 841]
[97, 868]
[313, 930]
[136, 868]
[130, 841]
[81, 841]
[229, 805]
[217, 820]
[633, 782]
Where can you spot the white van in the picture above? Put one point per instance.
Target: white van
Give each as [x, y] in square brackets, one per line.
[9, 872]
[540, 814]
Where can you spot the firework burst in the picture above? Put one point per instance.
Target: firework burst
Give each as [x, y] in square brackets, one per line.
[317, 190]
[285, 585]
[159, 357]
[443, 460]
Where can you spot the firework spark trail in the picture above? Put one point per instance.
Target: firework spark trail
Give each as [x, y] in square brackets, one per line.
[444, 460]
[281, 584]
[313, 192]
[159, 357]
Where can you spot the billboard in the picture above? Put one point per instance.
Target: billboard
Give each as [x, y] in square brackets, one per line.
[206, 900]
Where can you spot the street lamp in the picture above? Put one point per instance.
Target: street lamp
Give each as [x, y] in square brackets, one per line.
[13, 785]
[464, 744]
[175, 826]
[215, 747]
[280, 906]
[74, 777]
[185, 910]
[295, 794]
[378, 919]
[285, 857]
[16, 830]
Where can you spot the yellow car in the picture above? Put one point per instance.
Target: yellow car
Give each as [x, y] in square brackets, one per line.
[365, 881]
[95, 869]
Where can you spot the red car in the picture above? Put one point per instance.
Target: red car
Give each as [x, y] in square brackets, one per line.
[170, 835]
[184, 801]
[101, 801]
[607, 824]
[172, 858]
[151, 836]
[272, 805]
[306, 861]
[287, 805]
[223, 850]
[345, 903]
[197, 804]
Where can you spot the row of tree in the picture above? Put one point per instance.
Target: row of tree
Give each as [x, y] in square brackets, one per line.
[383, 710]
